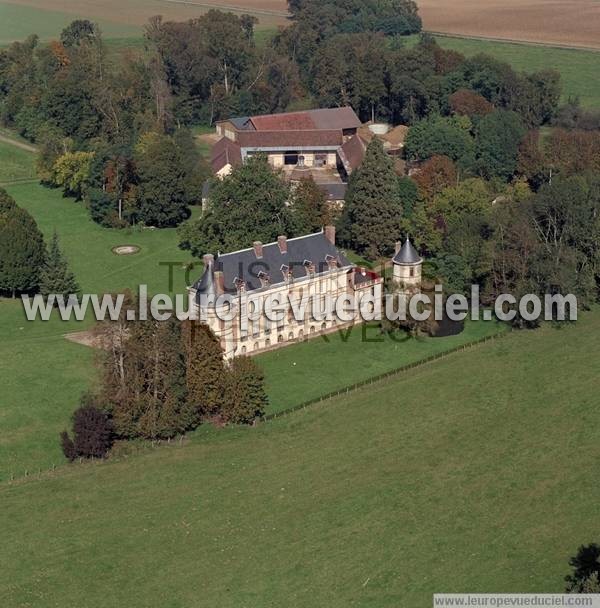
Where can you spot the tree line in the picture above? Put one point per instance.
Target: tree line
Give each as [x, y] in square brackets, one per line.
[159, 379]
[27, 264]
[115, 133]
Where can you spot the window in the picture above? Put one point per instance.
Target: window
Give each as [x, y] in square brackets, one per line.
[301, 334]
[412, 271]
[301, 160]
[291, 335]
[323, 326]
[290, 158]
[256, 346]
[280, 338]
[243, 350]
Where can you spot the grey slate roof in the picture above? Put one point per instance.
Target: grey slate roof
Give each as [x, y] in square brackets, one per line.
[244, 265]
[334, 191]
[407, 254]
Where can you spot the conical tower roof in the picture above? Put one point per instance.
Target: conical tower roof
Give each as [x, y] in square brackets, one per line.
[407, 255]
[205, 285]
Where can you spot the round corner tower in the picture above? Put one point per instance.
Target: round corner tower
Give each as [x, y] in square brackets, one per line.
[407, 267]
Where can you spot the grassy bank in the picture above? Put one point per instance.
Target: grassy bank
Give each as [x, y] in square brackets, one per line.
[474, 474]
[332, 362]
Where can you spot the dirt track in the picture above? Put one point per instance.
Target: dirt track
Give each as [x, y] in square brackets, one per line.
[17, 144]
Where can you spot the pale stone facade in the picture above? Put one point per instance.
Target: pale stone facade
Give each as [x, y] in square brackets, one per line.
[325, 273]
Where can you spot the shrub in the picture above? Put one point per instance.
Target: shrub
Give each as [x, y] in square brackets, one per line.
[92, 434]
[586, 567]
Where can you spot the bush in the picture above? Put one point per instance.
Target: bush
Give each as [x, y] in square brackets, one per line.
[92, 434]
[586, 568]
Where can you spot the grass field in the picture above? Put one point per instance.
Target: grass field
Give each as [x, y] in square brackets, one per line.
[46, 18]
[15, 164]
[577, 67]
[17, 21]
[88, 246]
[329, 363]
[477, 473]
[43, 374]
[45, 359]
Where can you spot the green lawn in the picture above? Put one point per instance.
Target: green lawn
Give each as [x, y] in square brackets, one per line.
[88, 246]
[43, 374]
[477, 473]
[15, 164]
[578, 68]
[295, 374]
[42, 377]
[328, 363]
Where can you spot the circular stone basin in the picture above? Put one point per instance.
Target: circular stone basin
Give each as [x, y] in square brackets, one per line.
[126, 249]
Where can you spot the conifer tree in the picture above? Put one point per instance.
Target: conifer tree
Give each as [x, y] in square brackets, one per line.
[246, 396]
[373, 204]
[144, 380]
[310, 208]
[21, 249]
[55, 276]
[205, 370]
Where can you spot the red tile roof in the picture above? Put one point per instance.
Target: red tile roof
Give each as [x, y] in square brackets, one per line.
[325, 118]
[352, 153]
[289, 139]
[225, 152]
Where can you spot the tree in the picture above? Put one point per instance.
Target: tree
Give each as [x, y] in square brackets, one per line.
[373, 204]
[205, 370]
[572, 152]
[246, 398]
[71, 171]
[55, 277]
[434, 175]
[80, 31]
[161, 194]
[22, 250]
[531, 160]
[437, 135]
[310, 209]
[143, 378]
[499, 135]
[585, 564]
[350, 70]
[92, 433]
[248, 205]
[469, 103]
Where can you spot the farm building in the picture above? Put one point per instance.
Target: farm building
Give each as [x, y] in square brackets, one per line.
[327, 144]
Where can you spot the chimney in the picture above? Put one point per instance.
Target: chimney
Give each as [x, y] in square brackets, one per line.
[219, 282]
[282, 242]
[330, 233]
[257, 249]
[208, 259]
[397, 247]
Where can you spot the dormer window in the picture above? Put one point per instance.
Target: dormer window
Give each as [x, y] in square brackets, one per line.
[287, 273]
[309, 267]
[240, 284]
[331, 262]
[265, 279]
